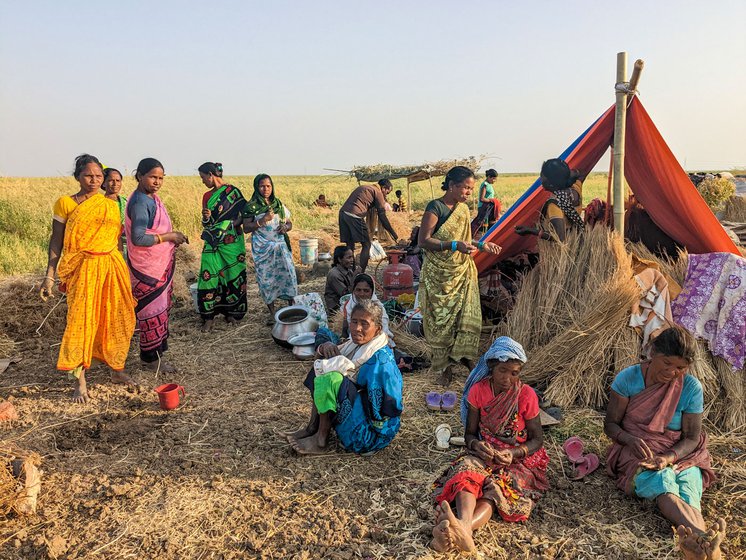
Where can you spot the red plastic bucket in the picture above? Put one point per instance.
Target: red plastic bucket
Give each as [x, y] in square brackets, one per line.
[168, 395]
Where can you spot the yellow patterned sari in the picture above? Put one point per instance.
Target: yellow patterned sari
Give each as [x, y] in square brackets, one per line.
[449, 296]
[100, 306]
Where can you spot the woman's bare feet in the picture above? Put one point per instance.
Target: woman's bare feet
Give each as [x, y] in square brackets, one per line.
[304, 432]
[461, 535]
[713, 538]
[446, 377]
[442, 541]
[207, 325]
[690, 544]
[121, 378]
[80, 394]
[159, 366]
[311, 445]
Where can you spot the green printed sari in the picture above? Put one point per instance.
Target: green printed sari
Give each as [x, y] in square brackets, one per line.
[449, 296]
[221, 288]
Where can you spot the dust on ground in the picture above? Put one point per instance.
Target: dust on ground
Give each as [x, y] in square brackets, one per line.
[215, 479]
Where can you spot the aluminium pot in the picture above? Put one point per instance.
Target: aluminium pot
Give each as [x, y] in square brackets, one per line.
[292, 320]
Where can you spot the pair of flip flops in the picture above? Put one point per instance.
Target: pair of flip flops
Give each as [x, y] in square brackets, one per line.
[585, 464]
[441, 401]
[443, 437]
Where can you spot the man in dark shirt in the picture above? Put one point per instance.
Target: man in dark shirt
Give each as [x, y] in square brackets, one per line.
[352, 226]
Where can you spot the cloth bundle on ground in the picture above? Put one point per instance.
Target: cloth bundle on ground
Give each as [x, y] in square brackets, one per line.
[712, 304]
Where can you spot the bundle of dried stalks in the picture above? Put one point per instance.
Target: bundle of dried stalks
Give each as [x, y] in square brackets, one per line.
[571, 315]
[735, 209]
[673, 268]
[409, 343]
[20, 481]
[702, 369]
[731, 408]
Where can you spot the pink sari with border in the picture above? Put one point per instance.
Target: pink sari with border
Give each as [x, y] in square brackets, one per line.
[647, 415]
[152, 271]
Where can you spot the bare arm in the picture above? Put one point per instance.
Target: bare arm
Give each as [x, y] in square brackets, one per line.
[535, 437]
[691, 429]
[615, 411]
[53, 258]
[427, 242]
[483, 194]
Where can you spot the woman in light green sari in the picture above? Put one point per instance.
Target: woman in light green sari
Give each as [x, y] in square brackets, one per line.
[449, 290]
[221, 288]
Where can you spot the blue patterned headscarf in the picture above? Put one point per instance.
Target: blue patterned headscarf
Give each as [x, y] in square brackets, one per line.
[503, 349]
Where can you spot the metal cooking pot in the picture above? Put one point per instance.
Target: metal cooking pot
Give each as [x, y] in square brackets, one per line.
[292, 320]
[303, 345]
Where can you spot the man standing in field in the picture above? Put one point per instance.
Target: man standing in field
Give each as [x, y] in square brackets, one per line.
[352, 226]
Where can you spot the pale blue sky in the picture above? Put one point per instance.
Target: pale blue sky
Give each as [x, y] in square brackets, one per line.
[292, 87]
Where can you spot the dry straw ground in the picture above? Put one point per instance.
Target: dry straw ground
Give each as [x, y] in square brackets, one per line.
[213, 479]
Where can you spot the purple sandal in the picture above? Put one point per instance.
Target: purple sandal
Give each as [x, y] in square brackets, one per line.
[448, 401]
[432, 399]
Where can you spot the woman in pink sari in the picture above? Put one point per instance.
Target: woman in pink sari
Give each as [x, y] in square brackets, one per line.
[151, 256]
[504, 468]
[659, 453]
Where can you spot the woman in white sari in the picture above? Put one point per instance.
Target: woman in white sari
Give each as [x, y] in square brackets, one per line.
[268, 221]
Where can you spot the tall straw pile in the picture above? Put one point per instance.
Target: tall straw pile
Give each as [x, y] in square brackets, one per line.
[571, 315]
[434, 169]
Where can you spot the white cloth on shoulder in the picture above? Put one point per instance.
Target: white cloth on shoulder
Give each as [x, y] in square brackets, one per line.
[351, 357]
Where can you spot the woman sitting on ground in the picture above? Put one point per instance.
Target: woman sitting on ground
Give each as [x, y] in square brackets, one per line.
[340, 278]
[561, 212]
[654, 418]
[356, 389]
[504, 466]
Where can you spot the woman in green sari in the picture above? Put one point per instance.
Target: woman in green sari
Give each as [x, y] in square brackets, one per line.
[221, 288]
[449, 290]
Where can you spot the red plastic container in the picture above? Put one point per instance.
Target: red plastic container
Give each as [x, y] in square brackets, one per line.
[168, 395]
[398, 278]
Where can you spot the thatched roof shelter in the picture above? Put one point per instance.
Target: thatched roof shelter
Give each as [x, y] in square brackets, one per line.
[412, 173]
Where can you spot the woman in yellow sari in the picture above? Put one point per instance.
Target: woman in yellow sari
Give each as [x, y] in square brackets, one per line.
[83, 251]
[449, 291]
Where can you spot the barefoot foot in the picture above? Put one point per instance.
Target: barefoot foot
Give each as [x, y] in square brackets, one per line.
[310, 445]
[121, 378]
[293, 435]
[690, 544]
[441, 537]
[712, 540]
[159, 366]
[207, 326]
[80, 393]
[446, 377]
[461, 535]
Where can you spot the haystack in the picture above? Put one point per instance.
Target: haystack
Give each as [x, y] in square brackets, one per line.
[572, 314]
[735, 209]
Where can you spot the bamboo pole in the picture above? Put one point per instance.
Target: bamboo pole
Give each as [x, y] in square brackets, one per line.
[620, 124]
[636, 71]
[409, 196]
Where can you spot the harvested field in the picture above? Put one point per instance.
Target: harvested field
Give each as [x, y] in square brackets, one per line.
[214, 479]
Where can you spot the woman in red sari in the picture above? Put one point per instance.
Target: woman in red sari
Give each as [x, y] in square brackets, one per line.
[504, 467]
[654, 418]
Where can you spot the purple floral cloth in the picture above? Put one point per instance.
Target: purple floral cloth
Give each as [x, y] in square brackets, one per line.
[712, 304]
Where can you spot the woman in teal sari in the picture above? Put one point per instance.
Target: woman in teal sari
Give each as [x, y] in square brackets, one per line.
[221, 288]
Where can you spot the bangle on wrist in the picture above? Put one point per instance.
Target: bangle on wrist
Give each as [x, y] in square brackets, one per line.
[49, 278]
[454, 246]
[441, 245]
[480, 245]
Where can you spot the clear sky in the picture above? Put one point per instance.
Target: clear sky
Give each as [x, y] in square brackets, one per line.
[292, 87]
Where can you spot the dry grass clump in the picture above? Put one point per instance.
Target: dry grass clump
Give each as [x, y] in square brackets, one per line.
[571, 316]
[735, 209]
